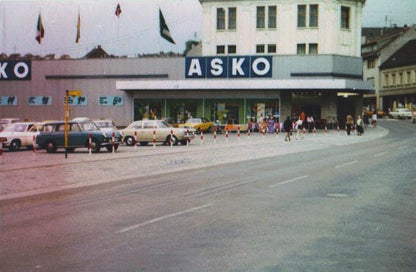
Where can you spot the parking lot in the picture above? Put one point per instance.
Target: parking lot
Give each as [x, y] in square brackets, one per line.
[26, 172]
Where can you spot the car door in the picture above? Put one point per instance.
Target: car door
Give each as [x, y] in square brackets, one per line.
[76, 136]
[146, 132]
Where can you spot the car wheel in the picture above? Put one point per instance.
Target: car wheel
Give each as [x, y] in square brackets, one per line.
[129, 141]
[95, 146]
[15, 145]
[175, 140]
[51, 147]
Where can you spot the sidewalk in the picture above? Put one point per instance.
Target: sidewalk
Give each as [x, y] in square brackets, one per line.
[26, 173]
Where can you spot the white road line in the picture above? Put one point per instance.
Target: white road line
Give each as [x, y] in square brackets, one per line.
[346, 164]
[164, 217]
[287, 181]
[380, 154]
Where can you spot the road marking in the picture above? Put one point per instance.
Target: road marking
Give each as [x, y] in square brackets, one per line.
[346, 164]
[380, 154]
[287, 181]
[164, 217]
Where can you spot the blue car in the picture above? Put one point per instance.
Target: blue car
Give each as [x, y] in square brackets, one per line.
[52, 136]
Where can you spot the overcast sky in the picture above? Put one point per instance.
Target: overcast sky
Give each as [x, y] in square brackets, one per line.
[136, 31]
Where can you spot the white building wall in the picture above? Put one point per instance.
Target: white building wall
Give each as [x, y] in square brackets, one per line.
[330, 37]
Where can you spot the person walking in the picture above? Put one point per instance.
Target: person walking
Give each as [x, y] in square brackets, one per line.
[374, 118]
[360, 129]
[348, 124]
[298, 127]
[287, 125]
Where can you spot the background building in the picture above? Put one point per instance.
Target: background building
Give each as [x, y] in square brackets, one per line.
[379, 46]
[260, 59]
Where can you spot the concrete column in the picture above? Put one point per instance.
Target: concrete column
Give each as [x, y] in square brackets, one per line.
[285, 105]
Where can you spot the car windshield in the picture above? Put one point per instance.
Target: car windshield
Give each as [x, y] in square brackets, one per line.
[16, 127]
[88, 126]
[162, 124]
[194, 120]
[104, 124]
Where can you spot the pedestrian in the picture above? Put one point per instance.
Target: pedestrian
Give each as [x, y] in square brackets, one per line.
[310, 122]
[348, 124]
[365, 119]
[360, 129]
[374, 118]
[298, 127]
[287, 125]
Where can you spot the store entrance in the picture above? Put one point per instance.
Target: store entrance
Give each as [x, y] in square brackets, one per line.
[345, 106]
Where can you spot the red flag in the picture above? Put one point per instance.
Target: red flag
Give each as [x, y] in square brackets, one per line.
[40, 30]
[78, 28]
[118, 11]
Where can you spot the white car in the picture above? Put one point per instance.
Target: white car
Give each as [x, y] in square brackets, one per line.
[17, 135]
[401, 113]
[163, 132]
[4, 122]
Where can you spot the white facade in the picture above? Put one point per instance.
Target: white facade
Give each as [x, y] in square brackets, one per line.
[327, 33]
[382, 51]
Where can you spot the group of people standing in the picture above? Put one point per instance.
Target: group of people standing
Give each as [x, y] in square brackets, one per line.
[300, 124]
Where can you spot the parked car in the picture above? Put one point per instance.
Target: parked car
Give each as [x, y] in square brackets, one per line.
[52, 136]
[6, 121]
[199, 124]
[163, 133]
[401, 113]
[17, 135]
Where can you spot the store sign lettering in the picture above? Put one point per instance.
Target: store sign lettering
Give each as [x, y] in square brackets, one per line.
[228, 67]
[15, 70]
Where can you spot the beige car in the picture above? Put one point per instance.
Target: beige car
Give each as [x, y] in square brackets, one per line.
[162, 131]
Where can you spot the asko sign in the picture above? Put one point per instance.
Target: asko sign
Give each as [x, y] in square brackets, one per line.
[228, 67]
[15, 70]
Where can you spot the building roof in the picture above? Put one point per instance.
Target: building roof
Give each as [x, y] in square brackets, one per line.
[376, 39]
[97, 53]
[405, 56]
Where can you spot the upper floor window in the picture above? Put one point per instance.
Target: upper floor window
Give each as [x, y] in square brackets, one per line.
[232, 49]
[313, 49]
[301, 49]
[313, 15]
[301, 15]
[232, 18]
[220, 49]
[345, 17]
[220, 19]
[386, 79]
[260, 48]
[260, 17]
[371, 64]
[304, 18]
[271, 48]
[272, 17]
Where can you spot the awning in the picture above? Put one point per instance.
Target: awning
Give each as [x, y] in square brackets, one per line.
[350, 85]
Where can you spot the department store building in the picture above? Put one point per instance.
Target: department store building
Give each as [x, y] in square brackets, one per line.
[257, 59]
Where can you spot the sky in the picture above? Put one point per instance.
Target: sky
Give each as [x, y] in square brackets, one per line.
[136, 31]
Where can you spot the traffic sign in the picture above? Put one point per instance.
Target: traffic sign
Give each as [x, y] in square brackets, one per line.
[74, 93]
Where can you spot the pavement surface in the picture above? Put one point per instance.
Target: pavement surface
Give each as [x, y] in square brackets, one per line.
[27, 173]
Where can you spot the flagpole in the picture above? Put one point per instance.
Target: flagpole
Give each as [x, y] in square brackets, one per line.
[4, 29]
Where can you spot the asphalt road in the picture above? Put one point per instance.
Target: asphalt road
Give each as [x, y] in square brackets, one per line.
[349, 208]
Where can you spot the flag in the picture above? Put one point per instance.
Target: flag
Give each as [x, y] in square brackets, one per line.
[164, 29]
[40, 31]
[78, 28]
[118, 11]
